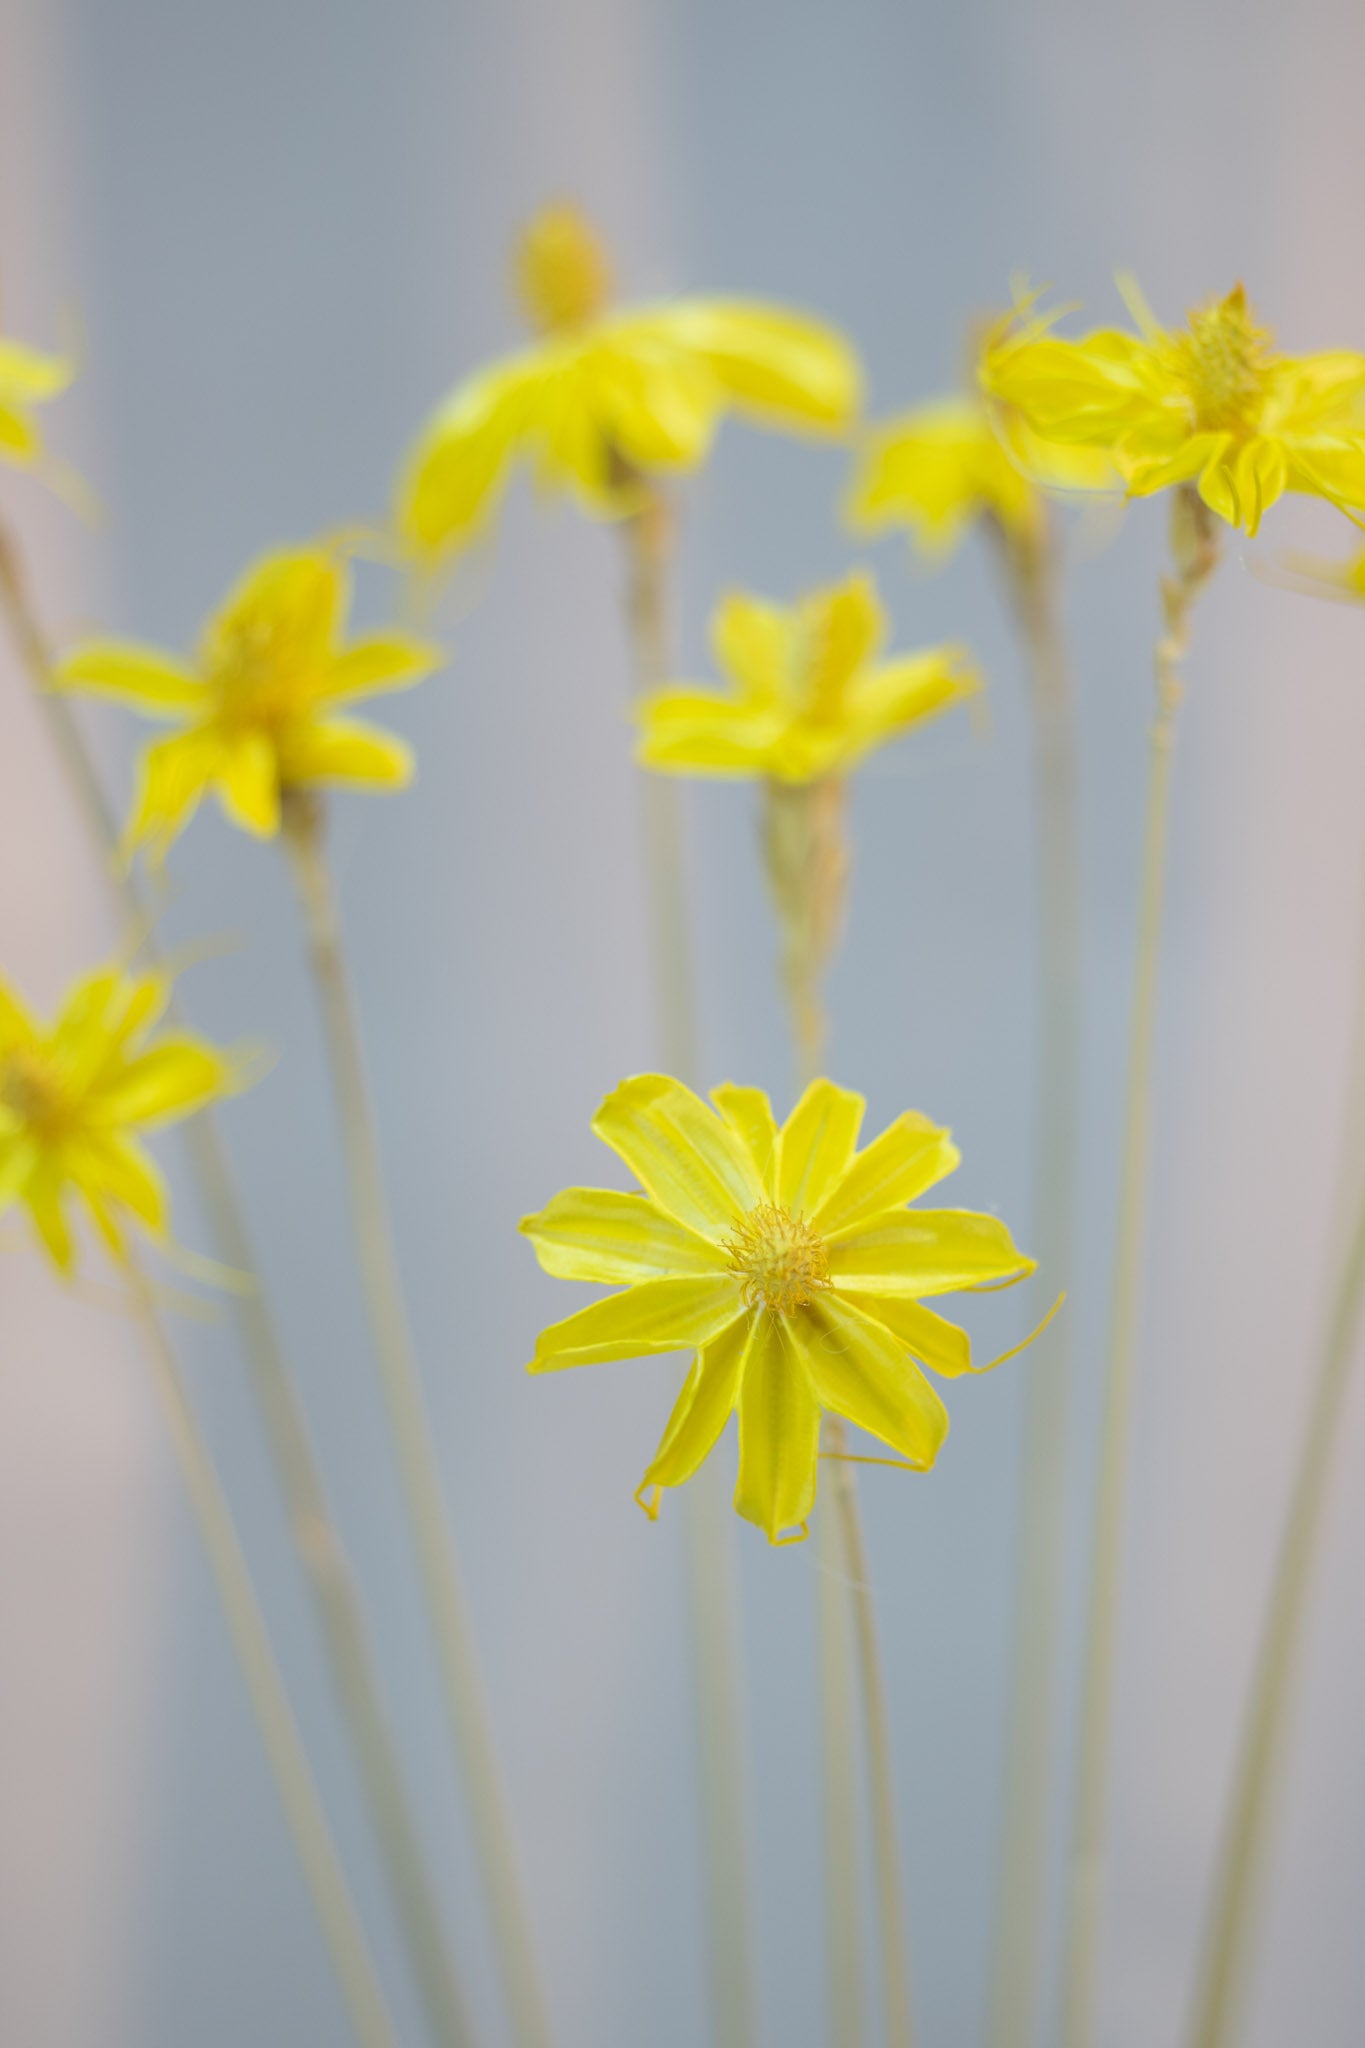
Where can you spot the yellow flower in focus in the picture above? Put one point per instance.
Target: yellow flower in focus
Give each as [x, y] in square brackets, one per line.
[941, 468]
[789, 1261]
[257, 703]
[27, 378]
[810, 697]
[1212, 404]
[75, 1096]
[606, 397]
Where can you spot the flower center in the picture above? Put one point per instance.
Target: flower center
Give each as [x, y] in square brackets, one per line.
[1224, 359]
[779, 1260]
[562, 275]
[32, 1089]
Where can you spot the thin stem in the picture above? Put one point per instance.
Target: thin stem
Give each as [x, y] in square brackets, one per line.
[466, 1703]
[718, 1677]
[839, 1753]
[1223, 1969]
[314, 1534]
[298, 1792]
[1031, 568]
[806, 854]
[1195, 551]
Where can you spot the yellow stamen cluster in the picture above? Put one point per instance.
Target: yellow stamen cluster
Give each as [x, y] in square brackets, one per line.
[1223, 359]
[781, 1262]
[562, 275]
[32, 1090]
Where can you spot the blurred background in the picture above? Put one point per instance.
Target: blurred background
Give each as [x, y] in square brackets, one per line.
[283, 228]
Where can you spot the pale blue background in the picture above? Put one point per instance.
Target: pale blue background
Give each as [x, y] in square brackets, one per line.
[291, 224]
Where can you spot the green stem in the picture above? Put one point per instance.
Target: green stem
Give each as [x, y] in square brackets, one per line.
[718, 1677]
[839, 1754]
[1031, 568]
[1195, 550]
[466, 1702]
[315, 1538]
[317, 1851]
[1225, 1955]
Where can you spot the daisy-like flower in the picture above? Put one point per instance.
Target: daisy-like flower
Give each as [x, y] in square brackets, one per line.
[76, 1095]
[789, 1261]
[1211, 404]
[27, 378]
[810, 697]
[257, 703]
[606, 397]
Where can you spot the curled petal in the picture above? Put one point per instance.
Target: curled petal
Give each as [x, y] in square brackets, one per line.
[929, 1338]
[597, 1234]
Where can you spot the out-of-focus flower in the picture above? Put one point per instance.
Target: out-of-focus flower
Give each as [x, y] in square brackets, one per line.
[941, 468]
[1210, 404]
[75, 1095]
[605, 398]
[810, 697]
[1324, 577]
[27, 378]
[789, 1261]
[257, 702]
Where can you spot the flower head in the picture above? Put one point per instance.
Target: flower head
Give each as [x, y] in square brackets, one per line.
[76, 1094]
[789, 1261]
[256, 704]
[604, 397]
[27, 378]
[810, 697]
[1212, 403]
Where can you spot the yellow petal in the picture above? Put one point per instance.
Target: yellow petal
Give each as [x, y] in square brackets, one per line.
[781, 367]
[42, 1197]
[656, 404]
[16, 1025]
[860, 1370]
[703, 1408]
[390, 661]
[908, 1157]
[817, 1146]
[249, 784]
[753, 644]
[597, 1234]
[653, 1316]
[897, 695]
[140, 676]
[172, 777]
[779, 1433]
[110, 1166]
[18, 1158]
[20, 441]
[700, 732]
[178, 1076]
[452, 478]
[841, 629]
[925, 1251]
[750, 1116]
[343, 750]
[27, 375]
[681, 1152]
[932, 1339]
[293, 600]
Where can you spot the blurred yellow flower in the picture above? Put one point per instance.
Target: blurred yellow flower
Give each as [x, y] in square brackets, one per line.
[944, 466]
[606, 397]
[27, 378]
[74, 1097]
[810, 698]
[1212, 404]
[256, 704]
[789, 1261]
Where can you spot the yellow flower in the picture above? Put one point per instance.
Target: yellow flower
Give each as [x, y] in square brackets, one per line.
[604, 397]
[810, 697]
[944, 466]
[1212, 403]
[789, 1261]
[26, 378]
[256, 704]
[74, 1097]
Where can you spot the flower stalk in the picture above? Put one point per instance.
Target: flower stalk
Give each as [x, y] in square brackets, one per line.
[303, 819]
[1029, 561]
[1195, 550]
[298, 1792]
[718, 1678]
[313, 1531]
